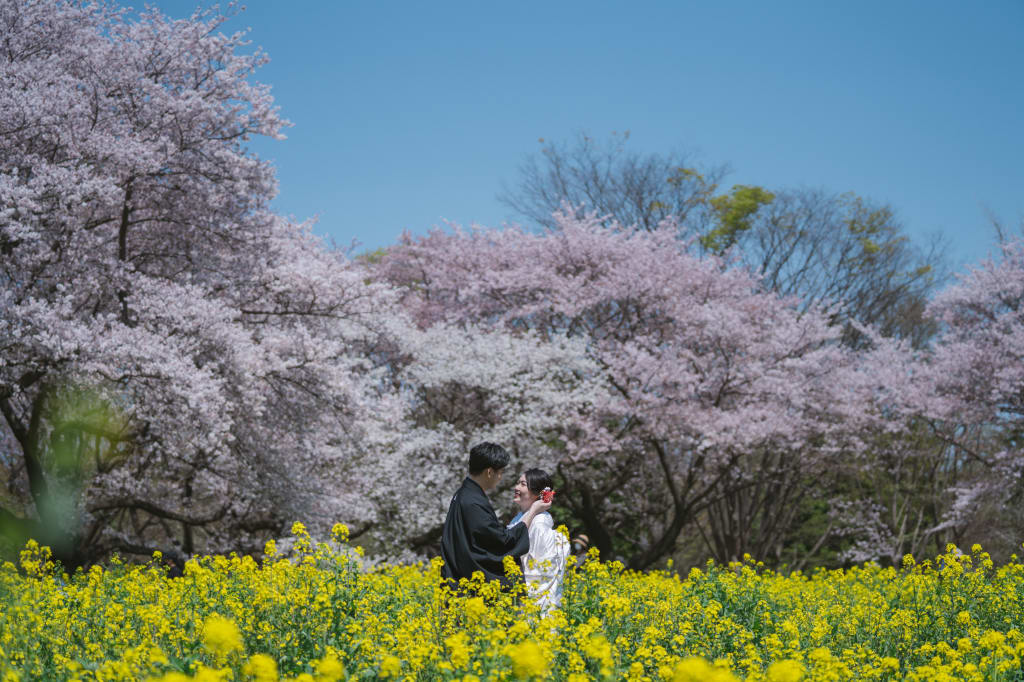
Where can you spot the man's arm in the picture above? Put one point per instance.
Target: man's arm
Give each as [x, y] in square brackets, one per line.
[492, 535]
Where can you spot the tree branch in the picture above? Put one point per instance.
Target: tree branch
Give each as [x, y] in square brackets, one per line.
[155, 510]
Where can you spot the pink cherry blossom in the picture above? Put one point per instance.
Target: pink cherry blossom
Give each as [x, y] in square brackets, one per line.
[690, 367]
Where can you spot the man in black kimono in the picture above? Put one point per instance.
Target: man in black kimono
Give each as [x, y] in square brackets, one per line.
[473, 538]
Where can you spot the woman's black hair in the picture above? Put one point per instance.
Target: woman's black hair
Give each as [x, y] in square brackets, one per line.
[537, 480]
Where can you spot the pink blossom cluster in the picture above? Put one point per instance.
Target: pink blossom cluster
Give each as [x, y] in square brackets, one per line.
[687, 365]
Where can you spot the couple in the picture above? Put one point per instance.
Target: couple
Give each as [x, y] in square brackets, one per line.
[474, 539]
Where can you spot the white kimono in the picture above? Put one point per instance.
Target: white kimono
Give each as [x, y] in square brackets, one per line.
[544, 565]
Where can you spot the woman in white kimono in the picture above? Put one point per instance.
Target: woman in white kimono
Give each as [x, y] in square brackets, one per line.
[544, 565]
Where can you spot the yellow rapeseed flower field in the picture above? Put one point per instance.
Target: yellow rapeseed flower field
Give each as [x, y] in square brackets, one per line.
[319, 616]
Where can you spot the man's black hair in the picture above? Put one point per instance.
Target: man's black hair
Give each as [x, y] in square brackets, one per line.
[484, 455]
[537, 480]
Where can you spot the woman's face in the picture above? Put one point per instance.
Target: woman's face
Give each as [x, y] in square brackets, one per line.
[521, 494]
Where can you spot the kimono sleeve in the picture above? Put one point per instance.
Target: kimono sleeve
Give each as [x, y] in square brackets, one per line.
[548, 552]
[490, 535]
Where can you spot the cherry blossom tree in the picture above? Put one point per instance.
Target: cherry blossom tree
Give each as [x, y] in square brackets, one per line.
[892, 497]
[182, 369]
[179, 368]
[460, 385]
[692, 369]
[974, 394]
[953, 473]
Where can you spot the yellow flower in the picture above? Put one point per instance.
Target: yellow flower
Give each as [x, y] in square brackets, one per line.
[221, 636]
[132, 623]
[475, 609]
[785, 671]
[339, 532]
[261, 668]
[390, 666]
[458, 649]
[599, 649]
[329, 669]
[511, 566]
[205, 674]
[699, 670]
[527, 659]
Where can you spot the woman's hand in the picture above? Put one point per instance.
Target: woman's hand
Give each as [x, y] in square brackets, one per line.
[540, 506]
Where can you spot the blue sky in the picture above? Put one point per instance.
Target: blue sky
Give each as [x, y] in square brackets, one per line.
[408, 114]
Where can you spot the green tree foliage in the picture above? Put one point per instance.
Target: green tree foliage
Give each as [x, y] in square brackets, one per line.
[734, 214]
